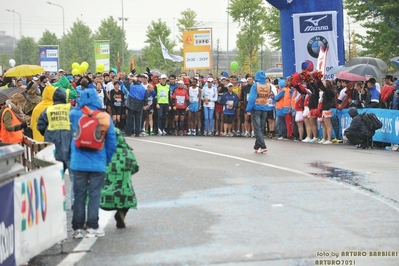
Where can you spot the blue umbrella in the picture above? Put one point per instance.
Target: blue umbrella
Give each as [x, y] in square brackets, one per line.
[395, 60]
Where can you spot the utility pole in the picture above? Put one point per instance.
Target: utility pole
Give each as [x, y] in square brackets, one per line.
[349, 39]
[123, 32]
[227, 51]
[217, 56]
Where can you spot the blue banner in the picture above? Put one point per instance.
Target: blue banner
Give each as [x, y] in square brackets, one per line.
[389, 132]
[7, 232]
[48, 57]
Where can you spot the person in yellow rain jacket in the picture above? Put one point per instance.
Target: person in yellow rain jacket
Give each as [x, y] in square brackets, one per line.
[47, 100]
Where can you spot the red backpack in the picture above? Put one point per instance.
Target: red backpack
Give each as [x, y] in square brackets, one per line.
[88, 135]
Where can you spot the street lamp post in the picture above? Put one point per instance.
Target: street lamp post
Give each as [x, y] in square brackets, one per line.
[63, 25]
[227, 51]
[123, 31]
[20, 29]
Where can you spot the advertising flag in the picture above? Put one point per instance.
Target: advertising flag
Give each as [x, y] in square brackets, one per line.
[167, 55]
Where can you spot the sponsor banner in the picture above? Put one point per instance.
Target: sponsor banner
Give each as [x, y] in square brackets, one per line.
[197, 49]
[48, 57]
[314, 32]
[7, 227]
[40, 214]
[102, 54]
[389, 132]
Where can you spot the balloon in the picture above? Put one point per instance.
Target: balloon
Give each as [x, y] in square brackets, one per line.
[12, 62]
[234, 66]
[100, 67]
[75, 65]
[86, 65]
[82, 68]
[75, 71]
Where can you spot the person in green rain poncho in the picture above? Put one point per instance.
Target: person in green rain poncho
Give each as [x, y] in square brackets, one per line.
[63, 83]
[117, 192]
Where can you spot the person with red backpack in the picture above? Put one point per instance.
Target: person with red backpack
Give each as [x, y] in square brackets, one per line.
[90, 154]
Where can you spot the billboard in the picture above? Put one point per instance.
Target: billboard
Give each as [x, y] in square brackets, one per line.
[7, 231]
[315, 32]
[102, 54]
[197, 49]
[49, 57]
[39, 213]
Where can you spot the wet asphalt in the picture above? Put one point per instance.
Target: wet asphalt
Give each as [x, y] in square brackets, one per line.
[211, 200]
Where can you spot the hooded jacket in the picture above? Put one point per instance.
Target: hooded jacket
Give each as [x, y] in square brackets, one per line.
[47, 100]
[357, 125]
[91, 161]
[60, 137]
[259, 101]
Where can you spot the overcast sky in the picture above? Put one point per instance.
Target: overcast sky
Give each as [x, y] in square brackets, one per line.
[38, 16]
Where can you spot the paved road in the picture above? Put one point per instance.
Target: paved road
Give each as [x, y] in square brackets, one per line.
[206, 200]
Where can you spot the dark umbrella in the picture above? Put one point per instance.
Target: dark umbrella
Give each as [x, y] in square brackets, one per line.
[395, 60]
[7, 93]
[367, 60]
[365, 70]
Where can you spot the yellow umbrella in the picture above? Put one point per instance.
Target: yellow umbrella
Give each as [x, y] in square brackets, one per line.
[24, 71]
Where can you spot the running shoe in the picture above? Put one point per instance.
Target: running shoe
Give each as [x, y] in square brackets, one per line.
[152, 133]
[263, 150]
[252, 134]
[256, 151]
[312, 140]
[164, 133]
[321, 141]
[327, 142]
[94, 232]
[77, 234]
[307, 139]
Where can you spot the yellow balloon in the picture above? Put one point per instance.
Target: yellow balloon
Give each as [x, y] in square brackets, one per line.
[86, 65]
[75, 71]
[82, 69]
[100, 67]
[75, 65]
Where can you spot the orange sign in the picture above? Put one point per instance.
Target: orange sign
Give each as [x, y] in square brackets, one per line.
[197, 49]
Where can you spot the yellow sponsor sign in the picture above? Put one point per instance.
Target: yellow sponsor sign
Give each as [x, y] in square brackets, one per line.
[197, 49]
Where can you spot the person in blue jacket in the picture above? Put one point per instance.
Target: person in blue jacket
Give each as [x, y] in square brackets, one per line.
[230, 102]
[258, 105]
[89, 168]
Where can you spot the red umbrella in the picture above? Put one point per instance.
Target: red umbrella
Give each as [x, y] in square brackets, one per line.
[345, 75]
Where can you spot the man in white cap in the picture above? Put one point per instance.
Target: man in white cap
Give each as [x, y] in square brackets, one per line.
[163, 102]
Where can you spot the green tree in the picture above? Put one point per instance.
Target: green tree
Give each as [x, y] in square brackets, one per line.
[251, 16]
[79, 46]
[48, 38]
[4, 60]
[186, 21]
[109, 30]
[272, 27]
[152, 52]
[26, 52]
[380, 18]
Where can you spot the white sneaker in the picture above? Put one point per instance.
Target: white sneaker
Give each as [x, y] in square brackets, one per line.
[322, 141]
[77, 234]
[312, 140]
[164, 132]
[94, 232]
[159, 132]
[327, 142]
[306, 139]
[280, 138]
[252, 134]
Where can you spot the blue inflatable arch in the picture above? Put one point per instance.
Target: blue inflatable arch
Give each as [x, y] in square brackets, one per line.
[290, 7]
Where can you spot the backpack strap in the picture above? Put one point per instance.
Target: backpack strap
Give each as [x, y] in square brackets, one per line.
[87, 111]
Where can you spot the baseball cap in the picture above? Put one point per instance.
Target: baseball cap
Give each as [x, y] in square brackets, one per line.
[163, 76]
[144, 75]
[60, 70]
[210, 79]
[243, 80]
[180, 82]
[230, 84]
[222, 78]
[35, 79]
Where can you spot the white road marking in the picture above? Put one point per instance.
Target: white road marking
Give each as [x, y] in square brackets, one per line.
[277, 205]
[86, 244]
